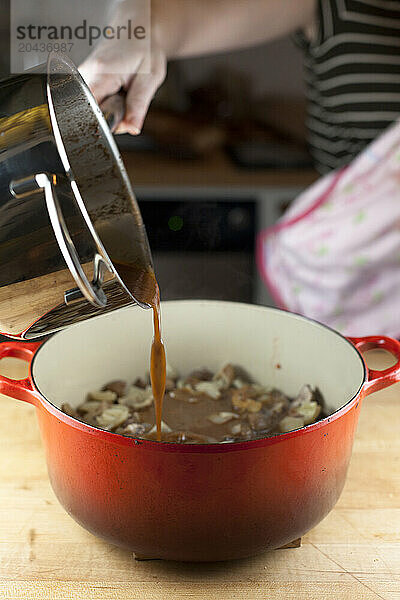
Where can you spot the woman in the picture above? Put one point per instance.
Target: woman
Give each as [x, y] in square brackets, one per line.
[351, 57]
[336, 254]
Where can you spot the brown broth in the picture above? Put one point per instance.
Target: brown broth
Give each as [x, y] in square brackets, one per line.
[192, 418]
[144, 287]
[158, 368]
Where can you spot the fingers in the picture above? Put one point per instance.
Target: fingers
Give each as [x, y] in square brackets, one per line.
[101, 84]
[140, 93]
[106, 77]
[124, 127]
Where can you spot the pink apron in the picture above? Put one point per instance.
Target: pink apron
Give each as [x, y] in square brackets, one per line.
[335, 254]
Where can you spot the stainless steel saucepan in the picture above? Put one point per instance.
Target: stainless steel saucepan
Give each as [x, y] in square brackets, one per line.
[68, 214]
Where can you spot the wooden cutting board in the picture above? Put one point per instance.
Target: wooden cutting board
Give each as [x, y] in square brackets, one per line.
[353, 554]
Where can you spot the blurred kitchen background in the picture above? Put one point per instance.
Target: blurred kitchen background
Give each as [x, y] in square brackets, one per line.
[221, 156]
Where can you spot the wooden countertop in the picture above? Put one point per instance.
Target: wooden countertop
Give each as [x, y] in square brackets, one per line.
[147, 169]
[354, 554]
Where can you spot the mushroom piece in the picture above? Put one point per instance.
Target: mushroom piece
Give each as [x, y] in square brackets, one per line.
[309, 411]
[211, 388]
[113, 417]
[134, 429]
[137, 398]
[271, 397]
[102, 396]
[226, 375]
[140, 383]
[91, 408]
[197, 376]
[118, 387]
[243, 403]
[236, 428]
[290, 423]
[306, 394]
[68, 410]
[222, 417]
[181, 384]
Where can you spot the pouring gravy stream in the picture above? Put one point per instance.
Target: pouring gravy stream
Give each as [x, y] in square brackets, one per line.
[144, 287]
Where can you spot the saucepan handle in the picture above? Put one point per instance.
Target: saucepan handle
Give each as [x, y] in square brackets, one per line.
[377, 380]
[21, 389]
[113, 108]
[49, 184]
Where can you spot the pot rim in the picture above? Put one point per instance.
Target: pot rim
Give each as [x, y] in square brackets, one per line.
[216, 446]
[58, 58]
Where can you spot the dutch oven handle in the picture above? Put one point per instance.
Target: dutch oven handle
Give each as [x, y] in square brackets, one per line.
[21, 389]
[377, 380]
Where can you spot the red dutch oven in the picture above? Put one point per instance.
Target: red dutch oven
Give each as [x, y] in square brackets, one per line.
[199, 502]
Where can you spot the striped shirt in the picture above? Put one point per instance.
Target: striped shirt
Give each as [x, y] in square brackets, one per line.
[352, 72]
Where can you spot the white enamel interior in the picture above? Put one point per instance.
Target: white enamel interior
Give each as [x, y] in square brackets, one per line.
[200, 333]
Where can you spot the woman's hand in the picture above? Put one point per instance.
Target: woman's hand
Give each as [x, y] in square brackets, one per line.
[110, 69]
[181, 28]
